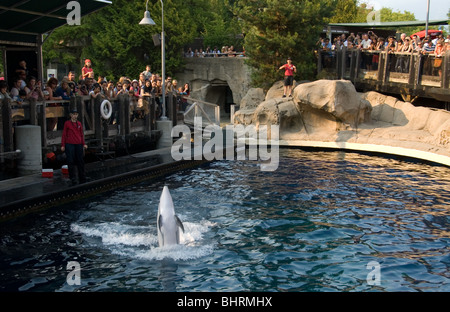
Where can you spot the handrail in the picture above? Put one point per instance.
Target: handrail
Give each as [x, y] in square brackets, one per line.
[410, 74]
[212, 55]
[199, 101]
[199, 111]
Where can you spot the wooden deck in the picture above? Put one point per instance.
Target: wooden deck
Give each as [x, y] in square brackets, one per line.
[130, 119]
[410, 75]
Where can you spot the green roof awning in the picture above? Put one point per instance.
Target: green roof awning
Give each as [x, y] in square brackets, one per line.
[23, 21]
[391, 24]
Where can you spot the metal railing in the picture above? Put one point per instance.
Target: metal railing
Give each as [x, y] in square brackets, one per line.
[208, 112]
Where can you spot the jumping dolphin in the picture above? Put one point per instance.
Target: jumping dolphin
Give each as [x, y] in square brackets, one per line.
[167, 221]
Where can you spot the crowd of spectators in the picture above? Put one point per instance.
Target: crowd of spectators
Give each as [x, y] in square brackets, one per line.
[405, 44]
[148, 84]
[226, 51]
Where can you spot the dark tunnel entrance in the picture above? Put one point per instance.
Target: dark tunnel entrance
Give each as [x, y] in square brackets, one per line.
[220, 93]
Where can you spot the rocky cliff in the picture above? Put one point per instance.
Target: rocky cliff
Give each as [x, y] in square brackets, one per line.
[332, 111]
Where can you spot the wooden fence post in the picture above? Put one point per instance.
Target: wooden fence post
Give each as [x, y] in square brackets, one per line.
[152, 107]
[33, 112]
[124, 114]
[97, 120]
[43, 122]
[445, 69]
[8, 140]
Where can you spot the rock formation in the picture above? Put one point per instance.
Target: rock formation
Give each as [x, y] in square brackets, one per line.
[333, 111]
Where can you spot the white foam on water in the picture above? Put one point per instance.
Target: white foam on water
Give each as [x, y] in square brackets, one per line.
[174, 252]
[141, 242]
[115, 233]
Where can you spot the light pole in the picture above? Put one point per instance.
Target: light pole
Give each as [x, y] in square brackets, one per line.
[147, 20]
[428, 16]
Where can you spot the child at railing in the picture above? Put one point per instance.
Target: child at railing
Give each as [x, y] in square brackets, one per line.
[438, 53]
[96, 91]
[51, 95]
[110, 92]
[34, 89]
[87, 70]
[4, 90]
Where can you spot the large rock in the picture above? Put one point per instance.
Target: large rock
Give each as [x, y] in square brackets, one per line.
[253, 98]
[332, 111]
[336, 97]
[402, 124]
[337, 106]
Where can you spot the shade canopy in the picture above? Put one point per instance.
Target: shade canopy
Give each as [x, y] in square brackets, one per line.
[431, 32]
[23, 21]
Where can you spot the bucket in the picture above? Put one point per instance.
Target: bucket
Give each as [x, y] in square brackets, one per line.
[47, 173]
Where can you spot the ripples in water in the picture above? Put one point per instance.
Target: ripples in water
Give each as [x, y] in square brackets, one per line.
[312, 225]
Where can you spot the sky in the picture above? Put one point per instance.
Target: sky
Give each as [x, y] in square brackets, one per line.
[438, 8]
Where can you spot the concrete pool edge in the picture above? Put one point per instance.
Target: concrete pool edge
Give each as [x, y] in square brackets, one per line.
[373, 148]
[357, 147]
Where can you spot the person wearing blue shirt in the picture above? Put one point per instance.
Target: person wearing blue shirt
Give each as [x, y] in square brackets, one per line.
[64, 90]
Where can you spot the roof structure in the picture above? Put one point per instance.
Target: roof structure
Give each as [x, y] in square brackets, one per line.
[22, 22]
[391, 24]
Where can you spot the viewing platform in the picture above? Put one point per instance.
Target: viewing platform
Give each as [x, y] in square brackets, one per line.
[411, 75]
[131, 127]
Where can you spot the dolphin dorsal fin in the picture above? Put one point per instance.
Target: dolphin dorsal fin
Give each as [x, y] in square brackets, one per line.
[179, 223]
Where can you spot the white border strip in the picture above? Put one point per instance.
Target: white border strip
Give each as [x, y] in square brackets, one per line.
[385, 149]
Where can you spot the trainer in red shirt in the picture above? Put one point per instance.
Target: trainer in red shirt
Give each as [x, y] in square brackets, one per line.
[72, 132]
[289, 71]
[72, 143]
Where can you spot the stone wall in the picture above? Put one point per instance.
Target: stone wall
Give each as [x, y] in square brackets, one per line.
[203, 74]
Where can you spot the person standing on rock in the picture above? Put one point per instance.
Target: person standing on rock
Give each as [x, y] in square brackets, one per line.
[289, 70]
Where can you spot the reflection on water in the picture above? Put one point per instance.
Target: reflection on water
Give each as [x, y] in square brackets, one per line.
[312, 225]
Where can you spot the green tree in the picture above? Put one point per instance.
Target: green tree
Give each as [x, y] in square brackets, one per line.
[220, 27]
[117, 45]
[65, 44]
[345, 11]
[277, 29]
[123, 47]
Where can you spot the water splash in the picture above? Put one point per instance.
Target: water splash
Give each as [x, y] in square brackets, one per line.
[141, 242]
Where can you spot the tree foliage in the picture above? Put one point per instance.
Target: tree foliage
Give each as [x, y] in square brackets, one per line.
[220, 26]
[273, 30]
[277, 29]
[117, 45]
[345, 11]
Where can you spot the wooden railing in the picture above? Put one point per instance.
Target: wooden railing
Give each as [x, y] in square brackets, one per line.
[410, 74]
[130, 115]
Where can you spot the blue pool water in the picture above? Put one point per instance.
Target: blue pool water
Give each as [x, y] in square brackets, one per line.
[314, 224]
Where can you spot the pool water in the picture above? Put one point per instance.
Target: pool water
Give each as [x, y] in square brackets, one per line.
[324, 221]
